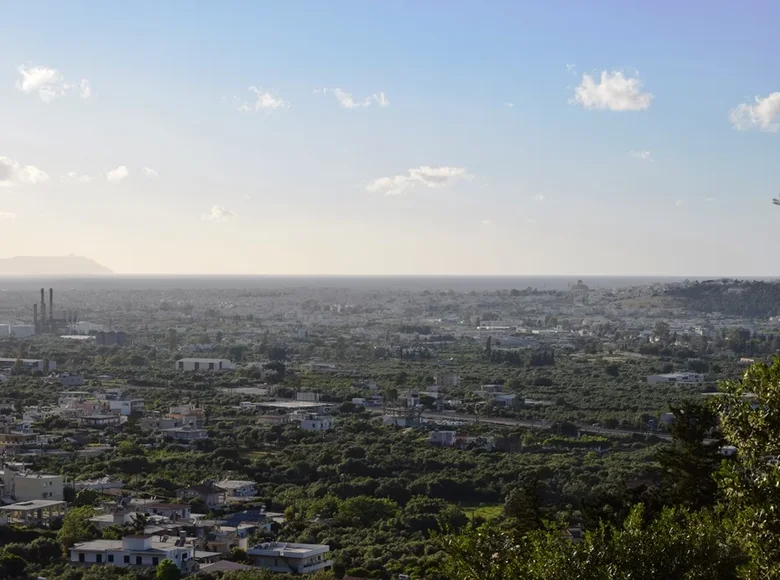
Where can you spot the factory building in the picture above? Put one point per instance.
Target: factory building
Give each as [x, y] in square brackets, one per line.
[47, 320]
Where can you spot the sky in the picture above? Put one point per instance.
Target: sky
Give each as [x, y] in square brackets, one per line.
[420, 137]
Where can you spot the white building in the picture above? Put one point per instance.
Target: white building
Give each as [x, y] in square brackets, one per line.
[204, 364]
[445, 438]
[21, 330]
[27, 486]
[676, 379]
[132, 551]
[237, 488]
[290, 558]
[126, 407]
[34, 364]
[185, 433]
[313, 421]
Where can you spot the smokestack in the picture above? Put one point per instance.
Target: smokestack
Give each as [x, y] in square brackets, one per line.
[51, 305]
[35, 318]
[43, 310]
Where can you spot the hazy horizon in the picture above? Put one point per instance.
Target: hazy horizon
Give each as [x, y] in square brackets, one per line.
[305, 139]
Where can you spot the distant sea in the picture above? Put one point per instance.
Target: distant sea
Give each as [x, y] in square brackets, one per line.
[439, 283]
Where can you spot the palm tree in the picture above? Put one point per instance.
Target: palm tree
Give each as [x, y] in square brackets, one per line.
[140, 521]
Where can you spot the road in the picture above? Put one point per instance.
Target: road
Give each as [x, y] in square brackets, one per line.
[539, 424]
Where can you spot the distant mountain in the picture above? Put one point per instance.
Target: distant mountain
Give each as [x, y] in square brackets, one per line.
[51, 266]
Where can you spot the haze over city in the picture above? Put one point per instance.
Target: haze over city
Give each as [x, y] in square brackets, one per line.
[498, 138]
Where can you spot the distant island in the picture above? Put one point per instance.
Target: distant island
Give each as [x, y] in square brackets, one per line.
[51, 266]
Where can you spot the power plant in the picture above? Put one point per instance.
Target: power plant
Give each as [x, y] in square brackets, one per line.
[48, 321]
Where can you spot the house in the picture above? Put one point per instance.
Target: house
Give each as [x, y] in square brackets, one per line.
[126, 407]
[508, 400]
[27, 486]
[185, 433]
[13, 440]
[445, 438]
[119, 517]
[36, 512]
[222, 538]
[237, 488]
[211, 495]
[187, 415]
[290, 558]
[676, 379]
[99, 421]
[173, 511]
[100, 484]
[141, 550]
[400, 420]
[204, 364]
[32, 364]
[68, 380]
[223, 566]
[313, 421]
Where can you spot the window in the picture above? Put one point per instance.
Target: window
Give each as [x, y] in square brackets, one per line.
[211, 366]
[111, 558]
[139, 560]
[81, 556]
[181, 365]
[127, 559]
[155, 561]
[197, 366]
[99, 558]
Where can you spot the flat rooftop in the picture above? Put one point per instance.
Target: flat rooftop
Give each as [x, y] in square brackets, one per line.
[35, 504]
[292, 405]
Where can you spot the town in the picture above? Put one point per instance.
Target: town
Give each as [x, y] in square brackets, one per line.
[333, 430]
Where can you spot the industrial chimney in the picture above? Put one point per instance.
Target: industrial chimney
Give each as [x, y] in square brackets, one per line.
[43, 310]
[35, 319]
[51, 307]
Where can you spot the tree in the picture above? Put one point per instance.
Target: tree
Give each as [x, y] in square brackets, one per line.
[679, 544]
[167, 570]
[238, 555]
[690, 462]
[750, 484]
[172, 339]
[76, 526]
[12, 566]
[139, 523]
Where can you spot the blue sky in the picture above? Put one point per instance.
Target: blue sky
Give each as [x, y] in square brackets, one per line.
[650, 172]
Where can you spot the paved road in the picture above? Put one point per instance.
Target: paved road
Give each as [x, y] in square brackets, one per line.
[538, 424]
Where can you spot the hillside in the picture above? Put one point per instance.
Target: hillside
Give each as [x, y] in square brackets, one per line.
[748, 298]
[51, 266]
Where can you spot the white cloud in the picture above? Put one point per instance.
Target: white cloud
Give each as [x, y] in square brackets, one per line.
[13, 173]
[48, 83]
[7, 216]
[531, 220]
[218, 214]
[85, 90]
[678, 203]
[509, 105]
[763, 114]
[117, 175]
[709, 199]
[434, 177]
[247, 197]
[347, 101]
[264, 101]
[614, 92]
[75, 176]
[571, 69]
[149, 172]
[487, 222]
[539, 197]
[644, 155]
